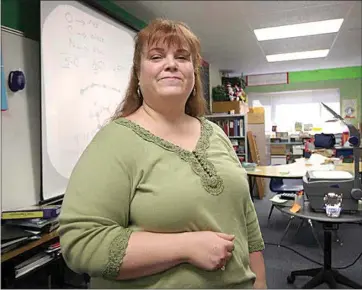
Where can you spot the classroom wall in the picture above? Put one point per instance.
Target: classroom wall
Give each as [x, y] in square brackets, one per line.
[21, 146]
[215, 79]
[15, 14]
[347, 80]
[215, 76]
[20, 134]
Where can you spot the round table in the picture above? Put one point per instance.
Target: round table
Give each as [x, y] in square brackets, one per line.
[294, 170]
[323, 274]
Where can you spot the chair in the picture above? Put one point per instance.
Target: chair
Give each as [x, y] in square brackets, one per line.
[277, 186]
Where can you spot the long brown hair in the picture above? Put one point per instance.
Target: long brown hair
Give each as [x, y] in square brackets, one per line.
[171, 33]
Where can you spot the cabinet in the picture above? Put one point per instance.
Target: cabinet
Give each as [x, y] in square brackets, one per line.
[38, 273]
[235, 127]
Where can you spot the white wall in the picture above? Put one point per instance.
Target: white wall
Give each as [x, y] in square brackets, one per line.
[20, 134]
[215, 76]
[215, 79]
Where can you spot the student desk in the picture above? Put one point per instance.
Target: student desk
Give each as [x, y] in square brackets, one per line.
[324, 274]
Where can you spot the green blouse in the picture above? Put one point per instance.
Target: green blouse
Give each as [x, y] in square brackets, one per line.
[128, 180]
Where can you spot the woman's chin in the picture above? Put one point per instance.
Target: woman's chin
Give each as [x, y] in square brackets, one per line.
[172, 92]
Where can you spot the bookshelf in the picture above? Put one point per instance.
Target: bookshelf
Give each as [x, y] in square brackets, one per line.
[235, 127]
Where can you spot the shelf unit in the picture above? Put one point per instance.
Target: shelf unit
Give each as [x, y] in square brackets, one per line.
[285, 152]
[235, 127]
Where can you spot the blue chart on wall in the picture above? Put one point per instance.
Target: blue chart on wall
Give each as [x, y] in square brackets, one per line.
[4, 98]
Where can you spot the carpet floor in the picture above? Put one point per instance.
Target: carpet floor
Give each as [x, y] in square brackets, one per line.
[280, 261]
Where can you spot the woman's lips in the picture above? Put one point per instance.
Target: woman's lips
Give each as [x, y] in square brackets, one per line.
[171, 78]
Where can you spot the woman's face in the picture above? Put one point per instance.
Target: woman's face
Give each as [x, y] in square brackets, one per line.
[166, 72]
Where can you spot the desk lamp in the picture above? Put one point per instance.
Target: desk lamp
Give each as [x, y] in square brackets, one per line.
[355, 141]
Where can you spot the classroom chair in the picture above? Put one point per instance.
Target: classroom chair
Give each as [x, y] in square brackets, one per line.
[277, 186]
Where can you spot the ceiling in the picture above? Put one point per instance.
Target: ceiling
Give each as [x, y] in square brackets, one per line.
[225, 29]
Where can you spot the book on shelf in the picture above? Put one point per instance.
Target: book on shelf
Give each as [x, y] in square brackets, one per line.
[32, 263]
[11, 237]
[232, 128]
[38, 224]
[45, 212]
[9, 234]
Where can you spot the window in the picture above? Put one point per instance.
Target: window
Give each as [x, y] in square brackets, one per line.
[284, 109]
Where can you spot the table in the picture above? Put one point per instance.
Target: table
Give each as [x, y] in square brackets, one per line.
[294, 170]
[323, 274]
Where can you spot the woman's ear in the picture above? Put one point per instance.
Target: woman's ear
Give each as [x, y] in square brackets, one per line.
[138, 74]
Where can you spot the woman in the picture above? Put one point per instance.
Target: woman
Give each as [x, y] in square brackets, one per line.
[159, 199]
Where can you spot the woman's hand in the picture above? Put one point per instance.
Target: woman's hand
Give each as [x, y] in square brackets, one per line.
[208, 250]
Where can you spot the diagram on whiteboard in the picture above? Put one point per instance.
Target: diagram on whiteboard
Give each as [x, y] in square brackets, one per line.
[86, 68]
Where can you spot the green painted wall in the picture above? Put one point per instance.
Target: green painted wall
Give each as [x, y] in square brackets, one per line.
[326, 74]
[24, 15]
[122, 15]
[347, 80]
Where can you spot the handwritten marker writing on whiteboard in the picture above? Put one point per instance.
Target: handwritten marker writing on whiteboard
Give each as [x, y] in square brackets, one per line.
[4, 98]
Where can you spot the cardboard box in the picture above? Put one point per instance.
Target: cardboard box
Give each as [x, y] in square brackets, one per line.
[256, 115]
[225, 107]
[278, 149]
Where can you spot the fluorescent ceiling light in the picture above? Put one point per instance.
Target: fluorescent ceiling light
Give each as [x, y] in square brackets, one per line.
[297, 55]
[295, 30]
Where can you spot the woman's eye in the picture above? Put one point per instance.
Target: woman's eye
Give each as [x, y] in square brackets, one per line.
[155, 57]
[182, 57]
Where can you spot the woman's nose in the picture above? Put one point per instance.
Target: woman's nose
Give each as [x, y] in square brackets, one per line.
[171, 63]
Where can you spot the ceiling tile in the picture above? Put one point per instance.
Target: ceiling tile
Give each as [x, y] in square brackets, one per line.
[308, 14]
[225, 29]
[267, 7]
[348, 45]
[312, 42]
[354, 19]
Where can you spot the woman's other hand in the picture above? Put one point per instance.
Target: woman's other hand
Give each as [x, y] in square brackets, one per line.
[208, 250]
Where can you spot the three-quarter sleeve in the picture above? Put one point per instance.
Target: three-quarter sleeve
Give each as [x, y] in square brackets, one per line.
[255, 239]
[95, 212]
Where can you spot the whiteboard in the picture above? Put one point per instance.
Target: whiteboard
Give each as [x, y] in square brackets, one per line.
[86, 61]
